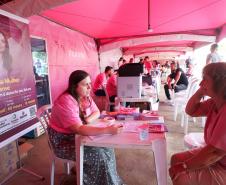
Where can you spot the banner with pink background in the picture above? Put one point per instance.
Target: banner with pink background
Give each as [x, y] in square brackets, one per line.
[17, 85]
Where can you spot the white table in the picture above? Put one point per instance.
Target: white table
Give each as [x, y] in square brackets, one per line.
[156, 143]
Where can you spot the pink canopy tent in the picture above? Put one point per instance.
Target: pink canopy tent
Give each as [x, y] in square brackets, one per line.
[103, 19]
[111, 21]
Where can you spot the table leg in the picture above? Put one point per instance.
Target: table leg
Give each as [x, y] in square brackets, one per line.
[79, 160]
[159, 150]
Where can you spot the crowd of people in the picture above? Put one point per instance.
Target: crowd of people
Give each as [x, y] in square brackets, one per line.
[175, 78]
[108, 79]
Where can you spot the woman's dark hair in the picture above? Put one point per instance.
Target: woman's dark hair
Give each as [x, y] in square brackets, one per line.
[108, 68]
[6, 57]
[74, 79]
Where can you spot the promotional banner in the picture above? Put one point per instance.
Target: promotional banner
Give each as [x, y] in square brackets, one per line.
[17, 84]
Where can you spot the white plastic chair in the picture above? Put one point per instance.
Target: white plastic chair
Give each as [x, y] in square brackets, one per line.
[183, 93]
[194, 140]
[185, 116]
[43, 114]
[180, 99]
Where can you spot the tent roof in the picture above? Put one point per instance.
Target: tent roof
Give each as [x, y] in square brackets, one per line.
[119, 20]
[123, 18]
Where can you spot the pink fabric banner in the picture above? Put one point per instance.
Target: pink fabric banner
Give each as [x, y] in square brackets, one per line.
[67, 50]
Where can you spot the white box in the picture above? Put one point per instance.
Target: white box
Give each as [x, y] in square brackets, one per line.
[129, 87]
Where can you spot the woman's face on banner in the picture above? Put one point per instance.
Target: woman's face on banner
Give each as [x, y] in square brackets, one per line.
[2, 43]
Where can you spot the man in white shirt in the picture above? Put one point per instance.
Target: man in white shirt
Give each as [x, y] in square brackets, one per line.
[213, 57]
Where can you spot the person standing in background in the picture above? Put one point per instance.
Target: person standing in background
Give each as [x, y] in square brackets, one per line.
[147, 65]
[131, 60]
[123, 62]
[101, 80]
[141, 61]
[111, 88]
[213, 57]
[120, 62]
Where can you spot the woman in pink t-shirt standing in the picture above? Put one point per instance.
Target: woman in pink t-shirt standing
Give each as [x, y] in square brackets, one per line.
[206, 165]
[73, 113]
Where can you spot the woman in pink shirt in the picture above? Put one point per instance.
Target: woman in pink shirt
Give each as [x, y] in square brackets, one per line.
[73, 113]
[147, 65]
[206, 165]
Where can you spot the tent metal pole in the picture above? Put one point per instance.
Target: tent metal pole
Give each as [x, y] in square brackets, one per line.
[98, 51]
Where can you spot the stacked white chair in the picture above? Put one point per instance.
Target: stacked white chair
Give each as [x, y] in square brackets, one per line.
[185, 121]
[184, 92]
[180, 99]
[43, 114]
[184, 115]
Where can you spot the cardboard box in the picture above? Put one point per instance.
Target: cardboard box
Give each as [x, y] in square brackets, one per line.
[8, 160]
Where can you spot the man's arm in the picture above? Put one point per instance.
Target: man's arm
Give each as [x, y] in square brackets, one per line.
[177, 78]
[169, 80]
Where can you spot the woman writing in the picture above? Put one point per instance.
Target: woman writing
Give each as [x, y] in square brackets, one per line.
[206, 165]
[72, 113]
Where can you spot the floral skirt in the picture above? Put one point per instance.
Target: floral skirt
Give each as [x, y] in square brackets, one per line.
[99, 167]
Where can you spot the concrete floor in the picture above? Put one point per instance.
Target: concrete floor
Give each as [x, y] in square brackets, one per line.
[136, 167]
